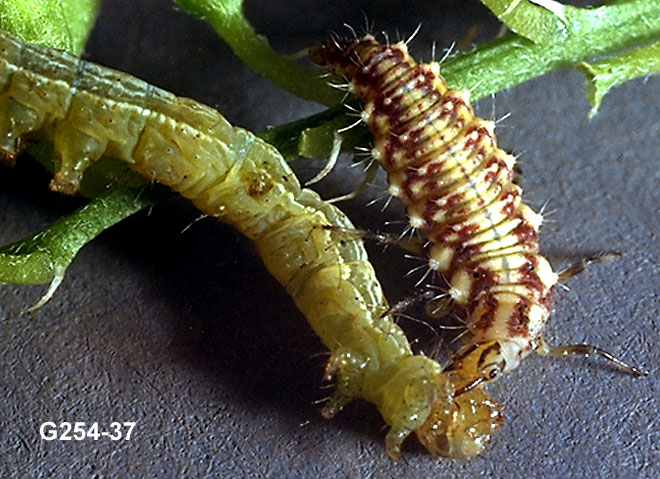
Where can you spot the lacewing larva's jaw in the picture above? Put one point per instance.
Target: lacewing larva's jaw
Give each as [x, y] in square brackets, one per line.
[88, 111]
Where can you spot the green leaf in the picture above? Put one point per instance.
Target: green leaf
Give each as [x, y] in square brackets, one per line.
[510, 61]
[540, 21]
[63, 24]
[609, 72]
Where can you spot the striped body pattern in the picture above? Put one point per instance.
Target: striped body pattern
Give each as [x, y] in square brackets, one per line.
[444, 165]
[227, 172]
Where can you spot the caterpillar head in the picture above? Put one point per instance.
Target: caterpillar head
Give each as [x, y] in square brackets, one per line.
[472, 421]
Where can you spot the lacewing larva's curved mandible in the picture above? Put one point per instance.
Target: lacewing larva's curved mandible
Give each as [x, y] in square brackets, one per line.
[88, 110]
[443, 164]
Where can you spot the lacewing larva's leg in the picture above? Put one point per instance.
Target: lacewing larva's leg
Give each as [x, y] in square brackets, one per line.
[579, 266]
[586, 350]
[411, 244]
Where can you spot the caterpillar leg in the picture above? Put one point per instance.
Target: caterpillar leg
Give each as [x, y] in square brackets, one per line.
[579, 266]
[341, 366]
[77, 151]
[26, 102]
[335, 404]
[7, 159]
[16, 120]
[544, 349]
[394, 440]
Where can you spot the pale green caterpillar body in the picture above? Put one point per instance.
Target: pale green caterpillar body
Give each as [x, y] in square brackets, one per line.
[227, 172]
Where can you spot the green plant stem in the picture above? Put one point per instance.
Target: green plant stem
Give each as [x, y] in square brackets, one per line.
[226, 17]
[512, 60]
[45, 256]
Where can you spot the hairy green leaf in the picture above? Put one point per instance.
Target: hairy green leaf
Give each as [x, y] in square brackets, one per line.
[609, 72]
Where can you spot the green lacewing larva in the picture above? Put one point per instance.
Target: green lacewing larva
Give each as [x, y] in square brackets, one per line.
[227, 172]
[458, 188]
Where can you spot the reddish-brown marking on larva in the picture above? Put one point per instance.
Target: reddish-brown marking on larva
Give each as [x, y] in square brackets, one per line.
[456, 184]
[517, 323]
[528, 276]
[483, 280]
[526, 233]
[486, 320]
[462, 254]
[509, 199]
[448, 200]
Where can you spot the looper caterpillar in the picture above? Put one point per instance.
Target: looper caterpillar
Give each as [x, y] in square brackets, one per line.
[444, 165]
[227, 172]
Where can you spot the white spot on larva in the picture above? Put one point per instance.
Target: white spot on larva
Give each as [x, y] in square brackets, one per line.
[457, 295]
[365, 116]
[375, 153]
[394, 190]
[416, 222]
[434, 264]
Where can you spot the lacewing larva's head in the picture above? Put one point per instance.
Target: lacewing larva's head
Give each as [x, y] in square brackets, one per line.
[467, 429]
[486, 361]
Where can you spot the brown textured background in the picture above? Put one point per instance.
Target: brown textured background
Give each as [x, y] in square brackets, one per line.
[187, 334]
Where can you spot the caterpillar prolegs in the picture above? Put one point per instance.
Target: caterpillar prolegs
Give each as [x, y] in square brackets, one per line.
[88, 110]
[457, 186]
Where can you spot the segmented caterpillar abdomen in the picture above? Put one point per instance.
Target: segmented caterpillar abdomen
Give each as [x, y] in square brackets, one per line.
[445, 167]
[88, 110]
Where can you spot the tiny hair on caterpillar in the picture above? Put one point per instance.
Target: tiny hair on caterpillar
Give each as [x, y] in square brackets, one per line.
[227, 172]
[457, 185]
